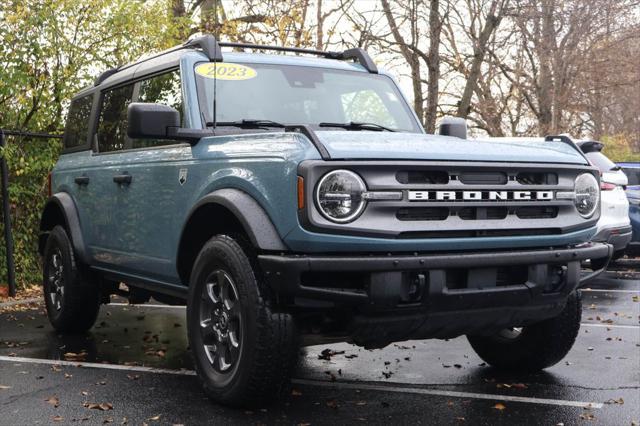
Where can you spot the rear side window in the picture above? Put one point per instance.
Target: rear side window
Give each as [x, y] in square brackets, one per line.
[162, 89]
[77, 127]
[601, 162]
[112, 125]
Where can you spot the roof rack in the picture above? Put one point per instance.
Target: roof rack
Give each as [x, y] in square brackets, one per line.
[207, 43]
[211, 48]
[360, 55]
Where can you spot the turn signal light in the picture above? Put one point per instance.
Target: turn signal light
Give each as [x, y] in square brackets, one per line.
[300, 192]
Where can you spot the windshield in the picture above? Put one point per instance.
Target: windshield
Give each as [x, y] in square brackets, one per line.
[601, 161]
[301, 95]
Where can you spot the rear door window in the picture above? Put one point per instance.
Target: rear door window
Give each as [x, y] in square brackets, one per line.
[112, 124]
[77, 127]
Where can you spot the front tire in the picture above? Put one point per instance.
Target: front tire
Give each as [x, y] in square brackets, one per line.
[533, 347]
[244, 352]
[72, 302]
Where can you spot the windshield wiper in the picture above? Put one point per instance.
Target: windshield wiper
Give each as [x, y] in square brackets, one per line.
[247, 123]
[354, 125]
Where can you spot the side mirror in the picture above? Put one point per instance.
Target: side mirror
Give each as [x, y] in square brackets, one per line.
[453, 126]
[151, 121]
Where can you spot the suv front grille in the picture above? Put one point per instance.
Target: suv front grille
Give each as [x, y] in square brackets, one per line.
[456, 199]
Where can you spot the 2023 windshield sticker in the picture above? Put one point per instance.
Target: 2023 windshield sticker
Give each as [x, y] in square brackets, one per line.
[226, 71]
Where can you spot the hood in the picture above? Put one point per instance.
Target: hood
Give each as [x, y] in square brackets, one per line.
[370, 145]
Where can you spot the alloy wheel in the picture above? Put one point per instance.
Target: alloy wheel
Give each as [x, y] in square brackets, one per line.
[221, 322]
[56, 280]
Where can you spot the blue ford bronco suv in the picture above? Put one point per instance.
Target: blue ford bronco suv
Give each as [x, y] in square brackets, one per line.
[292, 200]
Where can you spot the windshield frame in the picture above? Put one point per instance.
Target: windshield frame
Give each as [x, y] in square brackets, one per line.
[203, 99]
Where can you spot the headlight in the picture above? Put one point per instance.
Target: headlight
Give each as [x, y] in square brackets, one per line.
[339, 196]
[587, 194]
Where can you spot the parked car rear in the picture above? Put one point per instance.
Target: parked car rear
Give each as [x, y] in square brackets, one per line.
[632, 170]
[614, 225]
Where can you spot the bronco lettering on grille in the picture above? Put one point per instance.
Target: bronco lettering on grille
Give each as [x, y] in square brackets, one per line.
[481, 195]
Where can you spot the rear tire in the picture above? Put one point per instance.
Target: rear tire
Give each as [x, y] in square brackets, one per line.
[72, 302]
[244, 352]
[535, 346]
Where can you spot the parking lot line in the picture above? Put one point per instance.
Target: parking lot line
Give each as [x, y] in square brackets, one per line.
[601, 290]
[19, 360]
[344, 385]
[584, 324]
[452, 394]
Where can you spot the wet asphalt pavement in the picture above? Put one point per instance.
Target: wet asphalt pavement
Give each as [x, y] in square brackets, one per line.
[134, 368]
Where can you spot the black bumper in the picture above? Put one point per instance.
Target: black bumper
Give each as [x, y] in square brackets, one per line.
[396, 298]
[284, 272]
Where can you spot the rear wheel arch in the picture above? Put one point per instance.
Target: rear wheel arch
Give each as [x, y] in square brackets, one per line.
[61, 210]
[225, 211]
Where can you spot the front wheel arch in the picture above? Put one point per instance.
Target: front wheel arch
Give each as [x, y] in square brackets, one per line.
[225, 211]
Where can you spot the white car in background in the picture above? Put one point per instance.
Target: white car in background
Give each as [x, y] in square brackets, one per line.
[614, 225]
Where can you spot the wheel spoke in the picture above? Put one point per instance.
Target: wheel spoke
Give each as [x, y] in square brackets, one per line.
[210, 351]
[210, 296]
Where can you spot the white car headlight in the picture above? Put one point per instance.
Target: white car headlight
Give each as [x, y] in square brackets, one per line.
[339, 196]
[587, 194]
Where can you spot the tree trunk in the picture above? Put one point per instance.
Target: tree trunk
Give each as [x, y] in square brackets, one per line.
[479, 50]
[545, 82]
[319, 28]
[433, 66]
[411, 57]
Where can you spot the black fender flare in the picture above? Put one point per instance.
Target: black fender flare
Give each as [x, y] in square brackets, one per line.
[61, 204]
[255, 221]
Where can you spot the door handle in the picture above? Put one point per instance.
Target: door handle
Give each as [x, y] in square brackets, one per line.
[82, 180]
[124, 179]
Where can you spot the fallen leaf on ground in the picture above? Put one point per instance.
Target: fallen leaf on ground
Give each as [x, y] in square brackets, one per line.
[105, 406]
[75, 356]
[53, 400]
[133, 376]
[57, 418]
[499, 406]
[4, 387]
[154, 418]
[296, 392]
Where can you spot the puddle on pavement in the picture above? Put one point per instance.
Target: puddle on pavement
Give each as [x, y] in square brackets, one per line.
[129, 335]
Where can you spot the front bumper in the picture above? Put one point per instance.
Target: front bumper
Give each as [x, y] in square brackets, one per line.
[384, 282]
[399, 297]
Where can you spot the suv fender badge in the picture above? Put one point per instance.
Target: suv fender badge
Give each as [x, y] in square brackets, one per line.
[182, 176]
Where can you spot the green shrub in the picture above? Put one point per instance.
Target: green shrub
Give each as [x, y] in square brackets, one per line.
[29, 161]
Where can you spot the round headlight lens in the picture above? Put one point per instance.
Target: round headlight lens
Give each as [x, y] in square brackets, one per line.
[339, 196]
[587, 194]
